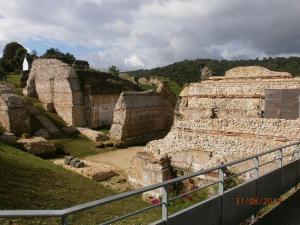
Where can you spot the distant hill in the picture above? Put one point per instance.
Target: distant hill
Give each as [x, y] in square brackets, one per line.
[188, 71]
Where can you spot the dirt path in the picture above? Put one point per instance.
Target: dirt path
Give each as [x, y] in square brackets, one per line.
[120, 159]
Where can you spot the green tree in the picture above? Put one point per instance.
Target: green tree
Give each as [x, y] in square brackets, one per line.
[13, 55]
[114, 70]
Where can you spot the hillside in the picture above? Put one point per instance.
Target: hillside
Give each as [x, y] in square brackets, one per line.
[188, 71]
[33, 183]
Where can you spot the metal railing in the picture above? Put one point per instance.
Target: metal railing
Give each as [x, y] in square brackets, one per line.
[165, 199]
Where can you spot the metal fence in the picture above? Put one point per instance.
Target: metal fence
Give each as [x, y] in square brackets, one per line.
[219, 209]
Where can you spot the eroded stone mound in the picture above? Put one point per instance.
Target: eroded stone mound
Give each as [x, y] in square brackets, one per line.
[252, 72]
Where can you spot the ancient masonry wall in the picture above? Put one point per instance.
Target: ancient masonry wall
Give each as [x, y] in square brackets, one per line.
[99, 109]
[142, 115]
[219, 120]
[13, 115]
[56, 84]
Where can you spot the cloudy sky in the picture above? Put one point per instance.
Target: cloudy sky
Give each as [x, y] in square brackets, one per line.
[133, 34]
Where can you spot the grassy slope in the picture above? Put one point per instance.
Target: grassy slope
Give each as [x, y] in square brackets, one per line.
[28, 182]
[176, 88]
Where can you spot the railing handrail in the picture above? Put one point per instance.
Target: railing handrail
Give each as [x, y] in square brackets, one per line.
[113, 198]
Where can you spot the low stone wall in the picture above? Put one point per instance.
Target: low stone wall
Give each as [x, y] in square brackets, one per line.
[239, 88]
[13, 115]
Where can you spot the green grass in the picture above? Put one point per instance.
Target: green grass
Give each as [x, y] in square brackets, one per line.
[2, 130]
[79, 146]
[14, 79]
[29, 182]
[176, 88]
[146, 87]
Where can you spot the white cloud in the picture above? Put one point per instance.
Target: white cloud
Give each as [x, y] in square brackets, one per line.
[141, 33]
[134, 61]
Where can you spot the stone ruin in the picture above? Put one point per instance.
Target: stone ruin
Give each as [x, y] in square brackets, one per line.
[81, 98]
[218, 120]
[143, 116]
[93, 99]
[13, 115]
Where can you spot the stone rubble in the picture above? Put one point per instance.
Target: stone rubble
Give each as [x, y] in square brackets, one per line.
[95, 171]
[37, 145]
[92, 134]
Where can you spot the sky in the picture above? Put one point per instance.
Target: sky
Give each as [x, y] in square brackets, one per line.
[136, 34]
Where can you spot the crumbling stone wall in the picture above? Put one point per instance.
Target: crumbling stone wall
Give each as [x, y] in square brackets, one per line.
[219, 120]
[143, 116]
[81, 98]
[57, 86]
[13, 115]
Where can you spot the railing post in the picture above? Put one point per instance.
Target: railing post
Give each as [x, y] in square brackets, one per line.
[221, 181]
[255, 161]
[164, 211]
[64, 220]
[221, 192]
[280, 158]
[296, 158]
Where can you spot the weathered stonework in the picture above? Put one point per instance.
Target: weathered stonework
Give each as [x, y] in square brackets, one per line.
[219, 120]
[13, 115]
[57, 86]
[37, 146]
[143, 116]
[81, 98]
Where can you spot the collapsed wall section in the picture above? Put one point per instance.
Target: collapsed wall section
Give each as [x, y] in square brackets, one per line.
[101, 92]
[143, 116]
[13, 114]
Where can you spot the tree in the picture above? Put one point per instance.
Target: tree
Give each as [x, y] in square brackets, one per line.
[13, 55]
[113, 70]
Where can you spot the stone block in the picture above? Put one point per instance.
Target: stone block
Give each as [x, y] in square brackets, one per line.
[37, 146]
[92, 134]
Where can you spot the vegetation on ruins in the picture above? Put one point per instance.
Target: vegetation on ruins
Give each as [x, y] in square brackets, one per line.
[113, 70]
[188, 71]
[55, 53]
